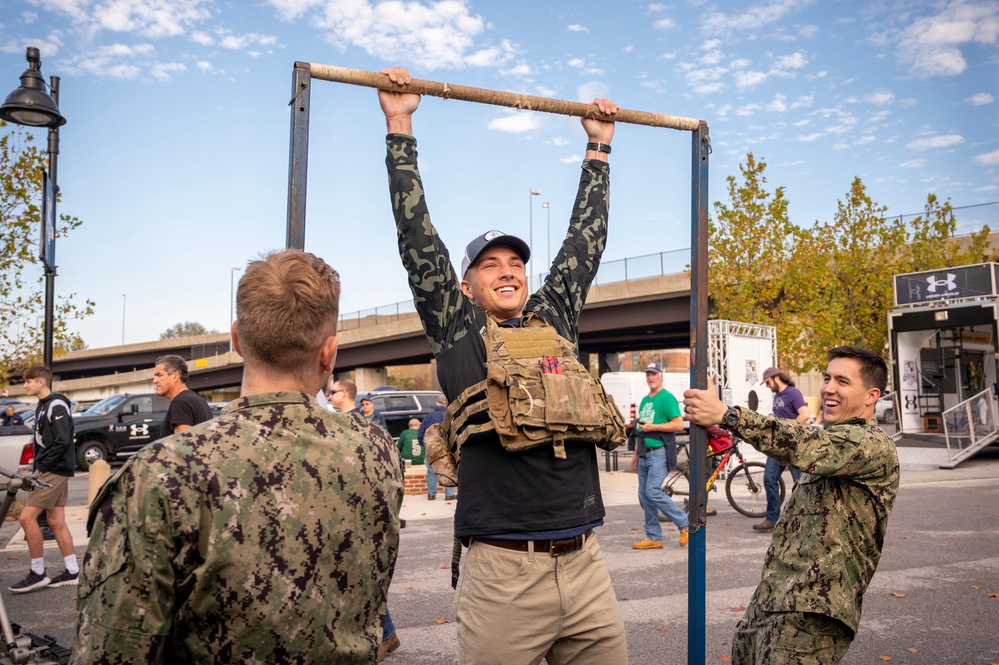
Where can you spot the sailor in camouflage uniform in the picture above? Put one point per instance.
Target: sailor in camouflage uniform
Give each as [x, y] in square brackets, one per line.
[534, 583]
[828, 541]
[266, 535]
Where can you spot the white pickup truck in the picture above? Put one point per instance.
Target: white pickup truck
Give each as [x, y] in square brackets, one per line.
[16, 449]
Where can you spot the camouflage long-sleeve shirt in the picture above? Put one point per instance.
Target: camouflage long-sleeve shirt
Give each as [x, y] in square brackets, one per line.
[495, 485]
[267, 535]
[828, 541]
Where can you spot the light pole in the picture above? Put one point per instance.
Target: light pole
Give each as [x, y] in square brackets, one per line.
[31, 106]
[232, 300]
[530, 244]
[548, 234]
[123, 319]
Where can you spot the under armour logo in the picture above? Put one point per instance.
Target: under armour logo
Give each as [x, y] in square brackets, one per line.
[910, 402]
[140, 430]
[948, 283]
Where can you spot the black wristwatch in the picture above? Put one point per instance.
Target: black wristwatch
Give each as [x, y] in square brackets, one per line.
[731, 418]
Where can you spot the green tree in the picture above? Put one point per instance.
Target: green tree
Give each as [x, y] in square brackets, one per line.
[750, 241]
[828, 284]
[185, 329]
[22, 297]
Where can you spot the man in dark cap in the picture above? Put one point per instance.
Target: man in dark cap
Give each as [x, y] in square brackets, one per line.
[534, 583]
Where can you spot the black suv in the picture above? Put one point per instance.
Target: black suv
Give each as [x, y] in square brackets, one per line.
[118, 426]
[398, 406]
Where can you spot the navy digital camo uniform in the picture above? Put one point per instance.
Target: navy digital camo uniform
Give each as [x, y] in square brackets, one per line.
[828, 541]
[563, 495]
[267, 535]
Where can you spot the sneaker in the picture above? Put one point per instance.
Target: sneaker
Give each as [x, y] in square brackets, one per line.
[765, 525]
[683, 537]
[449, 498]
[647, 544]
[30, 583]
[710, 512]
[65, 578]
[388, 646]
[431, 497]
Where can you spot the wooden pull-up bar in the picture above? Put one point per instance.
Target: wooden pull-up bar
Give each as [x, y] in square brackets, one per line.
[495, 97]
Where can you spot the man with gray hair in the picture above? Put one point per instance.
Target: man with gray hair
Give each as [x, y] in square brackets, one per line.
[187, 408]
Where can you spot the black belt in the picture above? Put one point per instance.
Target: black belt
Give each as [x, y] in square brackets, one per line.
[554, 547]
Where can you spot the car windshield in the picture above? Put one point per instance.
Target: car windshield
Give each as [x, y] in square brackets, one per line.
[103, 407]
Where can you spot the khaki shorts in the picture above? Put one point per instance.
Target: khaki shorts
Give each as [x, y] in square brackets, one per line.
[47, 498]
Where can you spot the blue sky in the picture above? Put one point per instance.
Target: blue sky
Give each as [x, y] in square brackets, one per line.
[175, 155]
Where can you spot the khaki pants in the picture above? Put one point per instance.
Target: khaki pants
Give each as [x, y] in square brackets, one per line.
[789, 638]
[516, 608]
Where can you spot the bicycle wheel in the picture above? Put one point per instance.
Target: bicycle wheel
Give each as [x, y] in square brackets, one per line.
[680, 474]
[744, 489]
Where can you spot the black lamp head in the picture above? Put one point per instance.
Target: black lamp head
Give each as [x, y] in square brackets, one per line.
[30, 104]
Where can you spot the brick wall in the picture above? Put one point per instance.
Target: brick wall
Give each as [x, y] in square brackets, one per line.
[416, 480]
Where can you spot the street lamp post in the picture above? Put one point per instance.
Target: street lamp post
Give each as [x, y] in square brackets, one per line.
[31, 106]
[232, 300]
[548, 234]
[530, 243]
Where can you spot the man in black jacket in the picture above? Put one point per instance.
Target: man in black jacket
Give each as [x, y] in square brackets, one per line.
[55, 460]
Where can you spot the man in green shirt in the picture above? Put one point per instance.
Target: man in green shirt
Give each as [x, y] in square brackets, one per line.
[658, 420]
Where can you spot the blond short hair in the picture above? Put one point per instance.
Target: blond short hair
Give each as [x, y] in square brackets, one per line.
[287, 305]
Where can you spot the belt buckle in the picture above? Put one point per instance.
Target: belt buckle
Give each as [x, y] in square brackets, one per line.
[572, 544]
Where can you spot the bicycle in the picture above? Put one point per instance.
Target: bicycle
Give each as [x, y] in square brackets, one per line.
[18, 647]
[743, 484]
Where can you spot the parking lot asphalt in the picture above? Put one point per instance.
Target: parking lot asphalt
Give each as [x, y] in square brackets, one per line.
[930, 602]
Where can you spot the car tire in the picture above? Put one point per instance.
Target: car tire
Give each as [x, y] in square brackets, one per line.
[89, 452]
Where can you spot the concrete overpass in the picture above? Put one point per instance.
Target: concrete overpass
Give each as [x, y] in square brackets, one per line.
[644, 313]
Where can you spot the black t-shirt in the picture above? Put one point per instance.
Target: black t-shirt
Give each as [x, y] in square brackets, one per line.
[187, 408]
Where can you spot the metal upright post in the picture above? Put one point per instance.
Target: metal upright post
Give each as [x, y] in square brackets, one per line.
[50, 266]
[298, 167]
[696, 587]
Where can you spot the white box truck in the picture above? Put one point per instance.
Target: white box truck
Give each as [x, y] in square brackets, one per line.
[628, 388]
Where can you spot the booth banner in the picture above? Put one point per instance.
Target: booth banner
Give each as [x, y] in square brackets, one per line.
[946, 284]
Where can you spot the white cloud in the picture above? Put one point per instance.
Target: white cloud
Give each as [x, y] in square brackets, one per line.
[931, 46]
[753, 18]
[493, 56]
[913, 164]
[521, 69]
[559, 141]
[587, 92]
[981, 99]
[162, 72]
[576, 62]
[29, 17]
[750, 79]
[880, 97]
[802, 123]
[795, 60]
[430, 36]
[289, 10]
[570, 159]
[808, 138]
[239, 42]
[575, 27]
[664, 24]
[516, 123]
[988, 159]
[149, 18]
[940, 141]
[202, 38]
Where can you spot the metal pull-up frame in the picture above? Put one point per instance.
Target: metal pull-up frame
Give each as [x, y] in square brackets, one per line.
[300, 104]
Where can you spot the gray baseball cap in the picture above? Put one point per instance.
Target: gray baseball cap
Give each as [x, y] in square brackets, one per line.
[492, 239]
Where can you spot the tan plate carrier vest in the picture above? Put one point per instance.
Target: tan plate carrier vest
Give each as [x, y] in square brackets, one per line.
[527, 406]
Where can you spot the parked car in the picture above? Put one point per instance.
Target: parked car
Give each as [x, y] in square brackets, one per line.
[217, 407]
[16, 449]
[398, 406]
[82, 405]
[118, 426]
